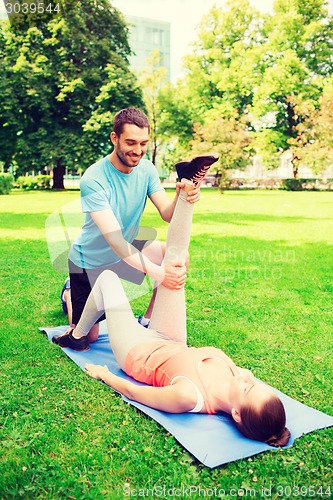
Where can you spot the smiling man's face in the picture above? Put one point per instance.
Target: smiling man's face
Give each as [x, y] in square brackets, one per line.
[130, 146]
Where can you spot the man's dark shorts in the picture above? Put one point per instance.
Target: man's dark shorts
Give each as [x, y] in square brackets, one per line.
[82, 280]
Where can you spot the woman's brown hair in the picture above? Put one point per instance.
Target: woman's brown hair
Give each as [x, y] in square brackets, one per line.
[267, 424]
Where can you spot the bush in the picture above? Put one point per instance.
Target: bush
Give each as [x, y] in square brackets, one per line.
[234, 184]
[287, 184]
[307, 184]
[38, 182]
[23, 182]
[6, 183]
[292, 184]
[226, 183]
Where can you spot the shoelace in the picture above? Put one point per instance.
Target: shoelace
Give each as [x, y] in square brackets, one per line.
[200, 175]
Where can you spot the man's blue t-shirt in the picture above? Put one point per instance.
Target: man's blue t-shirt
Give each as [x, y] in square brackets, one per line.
[102, 187]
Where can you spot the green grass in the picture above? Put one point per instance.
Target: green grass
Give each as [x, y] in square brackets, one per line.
[259, 286]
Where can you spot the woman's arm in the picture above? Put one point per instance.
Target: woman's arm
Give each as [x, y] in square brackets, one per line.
[177, 398]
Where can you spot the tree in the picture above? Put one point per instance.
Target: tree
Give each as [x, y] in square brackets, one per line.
[220, 70]
[253, 68]
[175, 123]
[10, 116]
[313, 144]
[298, 57]
[63, 74]
[219, 84]
[164, 104]
[153, 79]
[227, 135]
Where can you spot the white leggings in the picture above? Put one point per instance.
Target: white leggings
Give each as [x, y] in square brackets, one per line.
[168, 320]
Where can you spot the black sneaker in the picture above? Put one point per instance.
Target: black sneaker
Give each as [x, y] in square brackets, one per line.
[196, 169]
[68, 340]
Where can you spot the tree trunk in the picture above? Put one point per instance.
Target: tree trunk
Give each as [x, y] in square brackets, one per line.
[58, 175]
[153, 156]
[294, 162]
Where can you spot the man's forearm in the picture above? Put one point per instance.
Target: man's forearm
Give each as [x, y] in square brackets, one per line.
[142, 263]
[170, 276]
[167, 211]
[129, 254]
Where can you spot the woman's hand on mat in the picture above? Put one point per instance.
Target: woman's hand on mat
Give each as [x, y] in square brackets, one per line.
[175, 275]
[100, 372]
[96, 371]
[192, 196]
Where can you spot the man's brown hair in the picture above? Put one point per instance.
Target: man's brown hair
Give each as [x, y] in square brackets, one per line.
[132, 116]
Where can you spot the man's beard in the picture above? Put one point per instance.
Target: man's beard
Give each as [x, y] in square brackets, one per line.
[122, 157]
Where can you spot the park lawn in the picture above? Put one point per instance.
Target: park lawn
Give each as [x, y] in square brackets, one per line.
[259, 286]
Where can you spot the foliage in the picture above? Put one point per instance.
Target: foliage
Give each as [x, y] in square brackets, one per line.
[38, 182]
[259, 286]
[219, 71]
[55, 85]
[295, 62]
[197, 104]
[9, 111]
[225, 182]
[227, 135]
[120, 90]
[6, 183]
[169, 138]
[313, 142]
[153, 79]
[262, 69]
[253, 83]
[307, 184]
[175, 125]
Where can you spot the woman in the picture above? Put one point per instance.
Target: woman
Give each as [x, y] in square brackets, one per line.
[180, 378]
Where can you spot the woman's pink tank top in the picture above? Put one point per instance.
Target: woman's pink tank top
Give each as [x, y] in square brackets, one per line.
[158, 363]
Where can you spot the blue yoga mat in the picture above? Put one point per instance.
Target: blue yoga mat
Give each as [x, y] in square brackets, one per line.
[212, 439]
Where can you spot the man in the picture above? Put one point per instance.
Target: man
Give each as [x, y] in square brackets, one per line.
[114, 191]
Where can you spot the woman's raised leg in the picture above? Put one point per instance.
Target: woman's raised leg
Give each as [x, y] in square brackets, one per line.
[169, 312]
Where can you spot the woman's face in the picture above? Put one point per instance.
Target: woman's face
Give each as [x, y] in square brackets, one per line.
[246, 390]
